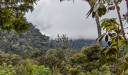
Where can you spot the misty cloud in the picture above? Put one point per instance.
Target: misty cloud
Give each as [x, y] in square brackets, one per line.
[53, 17]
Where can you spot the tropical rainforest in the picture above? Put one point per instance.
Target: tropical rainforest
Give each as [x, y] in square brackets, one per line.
[24, 50]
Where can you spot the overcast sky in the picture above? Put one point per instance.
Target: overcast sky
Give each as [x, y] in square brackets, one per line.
[53, 17]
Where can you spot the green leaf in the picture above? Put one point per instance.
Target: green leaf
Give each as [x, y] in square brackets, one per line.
[99, 39]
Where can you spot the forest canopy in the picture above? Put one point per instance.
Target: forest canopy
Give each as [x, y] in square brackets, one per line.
[110, 58]
[12, 14]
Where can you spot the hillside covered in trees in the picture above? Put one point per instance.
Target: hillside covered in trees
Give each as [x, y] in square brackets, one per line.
[19, 43]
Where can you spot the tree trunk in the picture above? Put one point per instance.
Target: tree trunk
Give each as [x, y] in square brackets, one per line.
[92, 3]
[98, 28]
[119, 16]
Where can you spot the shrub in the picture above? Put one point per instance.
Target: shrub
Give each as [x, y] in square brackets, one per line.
[7, 69]
[29, 68]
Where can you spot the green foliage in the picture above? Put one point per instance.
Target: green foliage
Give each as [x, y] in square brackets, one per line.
[92, 60]
[113, 35]
[92, 52]
[86, 62]
[113, 54]
[97, 9]
[52, 59]
[6, 19]
[104, 70]
[29, 68]
[12, 14]
[78, 58]
[109, 25]
[62, 41]
[9, 58]
[32, 53]
[7, 69]
[21, 25]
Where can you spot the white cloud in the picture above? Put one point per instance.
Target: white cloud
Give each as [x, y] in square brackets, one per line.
[66, 17]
